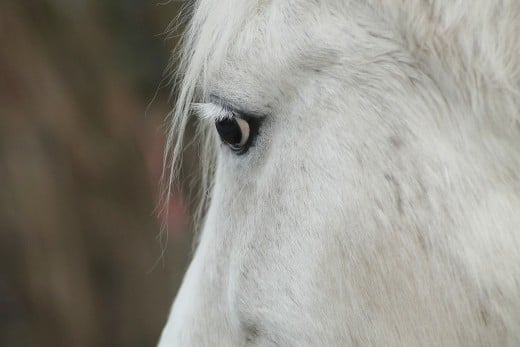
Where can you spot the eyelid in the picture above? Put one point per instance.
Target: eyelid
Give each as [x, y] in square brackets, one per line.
[218, 109]
[234, 108]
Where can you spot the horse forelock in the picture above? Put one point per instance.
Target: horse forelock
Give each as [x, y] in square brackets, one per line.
[205, 39]
[212, 26]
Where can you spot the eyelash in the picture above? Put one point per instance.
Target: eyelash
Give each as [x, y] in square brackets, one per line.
[211, 111]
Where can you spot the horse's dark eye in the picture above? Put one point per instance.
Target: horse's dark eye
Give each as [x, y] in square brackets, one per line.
[234, 132]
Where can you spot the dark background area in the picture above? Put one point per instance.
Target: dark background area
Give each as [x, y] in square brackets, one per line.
[81, 141]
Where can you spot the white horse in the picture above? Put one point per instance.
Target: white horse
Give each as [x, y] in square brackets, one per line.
[362, 167]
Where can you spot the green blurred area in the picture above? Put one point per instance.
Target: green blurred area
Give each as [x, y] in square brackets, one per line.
[82, 106]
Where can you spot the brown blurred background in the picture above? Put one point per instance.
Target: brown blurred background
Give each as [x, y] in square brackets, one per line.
[81, 140]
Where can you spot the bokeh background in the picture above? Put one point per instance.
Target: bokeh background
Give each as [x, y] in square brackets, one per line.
[82, 109]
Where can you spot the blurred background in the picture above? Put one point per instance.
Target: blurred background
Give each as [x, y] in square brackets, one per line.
[82, 111]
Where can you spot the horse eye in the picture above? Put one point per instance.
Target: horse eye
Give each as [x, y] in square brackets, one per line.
[234, 132]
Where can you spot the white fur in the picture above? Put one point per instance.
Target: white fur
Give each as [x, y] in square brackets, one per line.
[380, 205]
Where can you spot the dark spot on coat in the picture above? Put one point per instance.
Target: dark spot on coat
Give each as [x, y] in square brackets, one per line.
[422, 241]
[396, 141]
[484, 314]
[397, 189]
[252, 333]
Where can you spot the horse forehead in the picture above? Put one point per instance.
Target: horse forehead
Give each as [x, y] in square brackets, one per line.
[271, 47]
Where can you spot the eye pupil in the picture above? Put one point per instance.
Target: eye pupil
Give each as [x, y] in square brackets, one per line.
[229, 131]
[237, 132]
